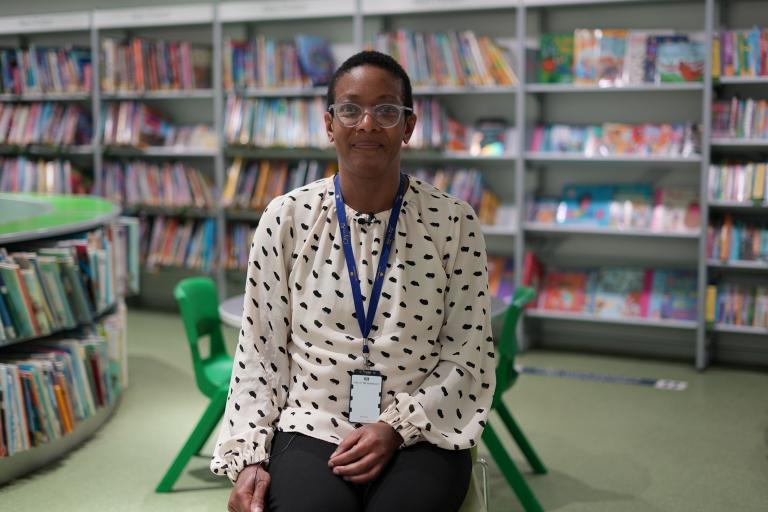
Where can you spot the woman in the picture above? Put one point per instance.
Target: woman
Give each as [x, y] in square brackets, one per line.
[364, 370]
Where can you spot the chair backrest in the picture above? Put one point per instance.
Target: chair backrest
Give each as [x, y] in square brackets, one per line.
[507, 343]
[199, 306]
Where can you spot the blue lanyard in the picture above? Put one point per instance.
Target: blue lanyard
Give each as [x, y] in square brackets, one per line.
[366, 321]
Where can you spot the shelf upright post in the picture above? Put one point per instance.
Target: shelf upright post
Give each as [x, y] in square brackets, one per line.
[96, 105]
[218, 164]
[357, 25]
[702, 350]
[521, 18]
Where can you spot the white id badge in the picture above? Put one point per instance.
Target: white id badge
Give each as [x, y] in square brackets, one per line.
[365, 396]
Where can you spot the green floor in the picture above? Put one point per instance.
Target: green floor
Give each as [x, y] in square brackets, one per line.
[609, 447]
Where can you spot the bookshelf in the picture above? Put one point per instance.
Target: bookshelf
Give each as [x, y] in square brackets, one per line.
[516, 177]
[34, 223]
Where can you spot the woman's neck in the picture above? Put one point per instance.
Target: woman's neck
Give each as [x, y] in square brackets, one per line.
[369, 195]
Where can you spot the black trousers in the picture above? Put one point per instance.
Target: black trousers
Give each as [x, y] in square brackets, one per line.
[420, 478]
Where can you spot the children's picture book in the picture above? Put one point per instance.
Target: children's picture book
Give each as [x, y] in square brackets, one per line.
[652, 50]
[632, 206]
[586, 53]
[680, 62]
[676, 210]
[622, 292]
[567, 290]
[315, 58]
[621, 139]
[674, 295]
[489, 137]
[587, 205]
[610, 67]
[556, 58]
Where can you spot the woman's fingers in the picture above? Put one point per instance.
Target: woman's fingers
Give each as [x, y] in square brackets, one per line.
[358, 467]
[259, 490]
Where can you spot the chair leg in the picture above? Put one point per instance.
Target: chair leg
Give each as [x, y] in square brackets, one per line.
[521, 440]
[510, 471]
[195, 441]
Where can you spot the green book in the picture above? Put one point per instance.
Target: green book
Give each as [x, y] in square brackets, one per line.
[50, 272]
[556, 58]
[10, 274]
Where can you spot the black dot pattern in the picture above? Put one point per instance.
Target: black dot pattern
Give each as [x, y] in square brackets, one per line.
[300, 338]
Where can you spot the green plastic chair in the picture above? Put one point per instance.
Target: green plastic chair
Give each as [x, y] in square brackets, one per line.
[506, 375]
[199, 305]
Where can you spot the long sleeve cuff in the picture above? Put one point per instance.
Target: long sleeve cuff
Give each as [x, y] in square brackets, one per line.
[410, 433]
[233, 455]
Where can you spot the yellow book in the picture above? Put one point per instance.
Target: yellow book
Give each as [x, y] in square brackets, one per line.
[66, 422]
[758, 190]
[711, 302]
[257, 203]
[232, 177]
[716, 56]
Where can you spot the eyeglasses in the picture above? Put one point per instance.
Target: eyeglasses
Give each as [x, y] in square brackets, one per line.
[351, 114]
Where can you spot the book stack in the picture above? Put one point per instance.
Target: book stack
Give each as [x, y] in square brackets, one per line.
[171, 242]
[739, 182]
[53, 288]
[740, 118]
[740, 53]
[435, 129]
[737, 240]
[41, 176]
[638, 206]
[615, 58]
[39, 70]
[51, 124]
[130, 123]
[619, 139]
[466, 184]
[139, 183]
[146, 65]
[268, 64]
[620, 292]
[738, 304]
[252, 185]
[237, 246]
[48, 388]
[452, 59]
[501, 277]
[279, 122]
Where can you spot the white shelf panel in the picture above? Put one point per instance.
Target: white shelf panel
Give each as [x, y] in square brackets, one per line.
[736, 205]
[539, 227]
[741, 329]
[438, 90]
[448, 156]
[739, 265]
[741, 143]
[741, 80]
[286, 153]
[170, 151]
[47, 96]
[556, 3]
[291, 92]
[577, 157]
[159, 95]
[378, 7]
[589, 317]
[571, 88]
[153, 16]
[37, 149]
[61, 22]
[238, 12]
[501, 231]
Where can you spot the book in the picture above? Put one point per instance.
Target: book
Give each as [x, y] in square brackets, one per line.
[680, 62]
[586, 205]
[567, 290]
[676, 210]
[622, 292]
[586, 54]
[315, 58]
[610, 64]
[631, 206]
[489, 137]
[556, 58]
[674, 295]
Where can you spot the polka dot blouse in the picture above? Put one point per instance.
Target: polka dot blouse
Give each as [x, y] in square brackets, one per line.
[300, 340]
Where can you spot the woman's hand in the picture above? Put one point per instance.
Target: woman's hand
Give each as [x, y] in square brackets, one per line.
[250, 490]
[364, 453]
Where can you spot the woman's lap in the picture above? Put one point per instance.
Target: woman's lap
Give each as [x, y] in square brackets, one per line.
[421, 478]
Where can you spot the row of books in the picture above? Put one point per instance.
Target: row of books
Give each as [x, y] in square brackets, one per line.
[131, 123]
[53, 124]
[139, 183]
[730, 239]
[635, 206]
[739, 182]
[252, 185]
[741, 53]
[620, 292]
[275, 122]
[37, 70]
[501, 277]
[262, 62]
[453, 59]
[171, 242]
[740, 118]
[54, 287]
[616, 139]
[20, 174]
[141, 64]
[612, 57]
[237, 245]
[466, 184]
[738, 304]
[48, 388]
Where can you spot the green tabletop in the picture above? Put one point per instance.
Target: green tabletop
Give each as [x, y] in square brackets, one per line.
[32, 216]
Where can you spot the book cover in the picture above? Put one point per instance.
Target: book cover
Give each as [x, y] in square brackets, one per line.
[315, 58]
[585, 56]
[556, 58]
[566, 290]
[680, 62]
[620, 292]
[610, 64]
[676, 210]
[652, 49]
[489, 137]
[632, 206]
[674, 295]
[586, 205]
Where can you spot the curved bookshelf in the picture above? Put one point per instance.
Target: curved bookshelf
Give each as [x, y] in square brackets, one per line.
[29, 460]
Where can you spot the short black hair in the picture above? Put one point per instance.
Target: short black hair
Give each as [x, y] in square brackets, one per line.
[372, 58]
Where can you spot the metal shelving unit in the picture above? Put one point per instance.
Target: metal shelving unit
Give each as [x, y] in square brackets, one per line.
[586, 317]
[559, 229]
[571, 88]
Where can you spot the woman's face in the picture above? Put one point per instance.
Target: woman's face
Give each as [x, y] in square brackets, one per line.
[368, 150]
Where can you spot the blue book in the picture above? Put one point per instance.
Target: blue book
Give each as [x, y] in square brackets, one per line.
[315, 58]
[586, 205]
